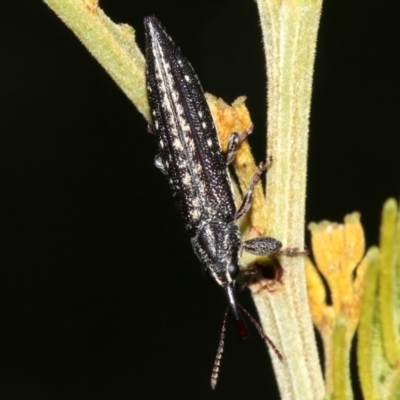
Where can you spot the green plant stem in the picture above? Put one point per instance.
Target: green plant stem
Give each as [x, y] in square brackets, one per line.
[113, 45]
[289, 31]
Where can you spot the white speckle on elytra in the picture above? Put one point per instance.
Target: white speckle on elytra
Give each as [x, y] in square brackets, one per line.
[186, 179]
[177, 144]
[175, 95]
[195, 214]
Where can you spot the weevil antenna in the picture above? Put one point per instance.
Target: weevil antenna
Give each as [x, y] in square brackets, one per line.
[220, 350]
[262, 333]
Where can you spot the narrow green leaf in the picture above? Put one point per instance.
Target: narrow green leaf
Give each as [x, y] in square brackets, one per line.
[365, 343]
[388, 287]
[392, 385]
[342, 389]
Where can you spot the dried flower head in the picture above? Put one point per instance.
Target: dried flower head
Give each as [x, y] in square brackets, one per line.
[339, 254]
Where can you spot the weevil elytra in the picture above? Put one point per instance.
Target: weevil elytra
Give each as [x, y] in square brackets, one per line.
[190, 157]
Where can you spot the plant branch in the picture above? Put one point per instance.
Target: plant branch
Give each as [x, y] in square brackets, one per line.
[113, 45]
[289, 32]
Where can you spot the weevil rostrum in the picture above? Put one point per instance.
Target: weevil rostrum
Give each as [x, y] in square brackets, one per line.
[191, 158]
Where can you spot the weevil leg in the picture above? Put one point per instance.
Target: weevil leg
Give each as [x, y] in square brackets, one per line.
[262, 246]
[234, 140]
[150, 130]
[267, 246]
[232, 147]
[293, 251]
[248, 197]
[159, 164]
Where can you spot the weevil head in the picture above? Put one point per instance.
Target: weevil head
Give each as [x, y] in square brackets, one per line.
[218, 245]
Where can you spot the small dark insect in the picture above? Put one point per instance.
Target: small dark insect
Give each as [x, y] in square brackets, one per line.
[191, 158]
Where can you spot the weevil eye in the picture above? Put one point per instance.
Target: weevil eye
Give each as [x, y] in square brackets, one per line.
[233, 270]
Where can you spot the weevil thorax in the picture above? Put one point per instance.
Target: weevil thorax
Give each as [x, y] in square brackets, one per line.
[217, 245]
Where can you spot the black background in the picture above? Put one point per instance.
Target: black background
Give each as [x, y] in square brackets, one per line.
[101, 294]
